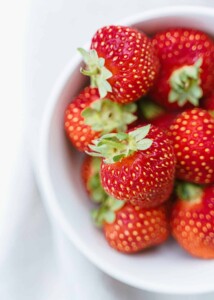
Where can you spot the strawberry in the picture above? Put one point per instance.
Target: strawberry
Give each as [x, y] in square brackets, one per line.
[88, 116]
[208, 104]
[187, 67]
[131, 229]
[122, 63]
[138, 166]
[192, 134]
[192, 219]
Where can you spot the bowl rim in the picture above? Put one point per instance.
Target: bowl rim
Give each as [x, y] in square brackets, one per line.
[42, 170]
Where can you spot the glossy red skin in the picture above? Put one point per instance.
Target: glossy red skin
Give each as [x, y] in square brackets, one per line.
[144, 178]
[136, 229]
[192, 224]
[80, 134]
[176, 48]
[131, 58]
[192, 136]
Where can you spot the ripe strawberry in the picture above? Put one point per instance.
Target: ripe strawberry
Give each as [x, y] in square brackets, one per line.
[132, 229]
[122, 63]
[192, 219]
[208, 104]
[90, 173]
[187, 67]
[192, 135]
[136, 169]
[87, 117]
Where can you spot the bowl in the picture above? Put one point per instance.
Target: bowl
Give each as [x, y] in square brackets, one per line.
[167, 268]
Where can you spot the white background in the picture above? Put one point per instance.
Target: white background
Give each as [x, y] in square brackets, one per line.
[12, 32]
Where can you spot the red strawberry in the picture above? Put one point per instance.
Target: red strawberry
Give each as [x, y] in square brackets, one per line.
[192, 135]
[122, 63]
[87, 117]
[91, 178]
[133, 229]
[187, 67]
[192, 219]
[208, 104]
[137, 169]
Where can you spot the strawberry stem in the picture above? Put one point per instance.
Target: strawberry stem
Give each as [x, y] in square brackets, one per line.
[96, 70]
[106, 116]
[115, 146]
[185, 84]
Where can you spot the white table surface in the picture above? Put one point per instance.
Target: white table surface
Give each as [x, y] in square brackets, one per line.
[55, 29]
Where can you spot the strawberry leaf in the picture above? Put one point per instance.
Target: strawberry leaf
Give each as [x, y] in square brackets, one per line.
[144, 144]
[185, 84]
[96, 70]
[117, 158]
[106, 116]
[113, 147]
[140, 132]
[117, 204]
[106, 211]
[109, 216]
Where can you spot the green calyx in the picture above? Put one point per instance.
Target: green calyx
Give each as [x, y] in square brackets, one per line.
[150, 110]
[96, 70]
[106, 211]
[189, 192]
[113, 147]
[185, 84]
[107, 205]
[97, 192]
[105, 116]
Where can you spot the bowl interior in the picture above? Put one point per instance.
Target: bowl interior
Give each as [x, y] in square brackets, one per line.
[164, 269]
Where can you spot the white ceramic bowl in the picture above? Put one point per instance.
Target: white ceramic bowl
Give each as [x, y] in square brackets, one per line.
[164, 269]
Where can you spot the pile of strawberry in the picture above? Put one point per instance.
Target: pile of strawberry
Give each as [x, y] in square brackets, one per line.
[145, 123]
